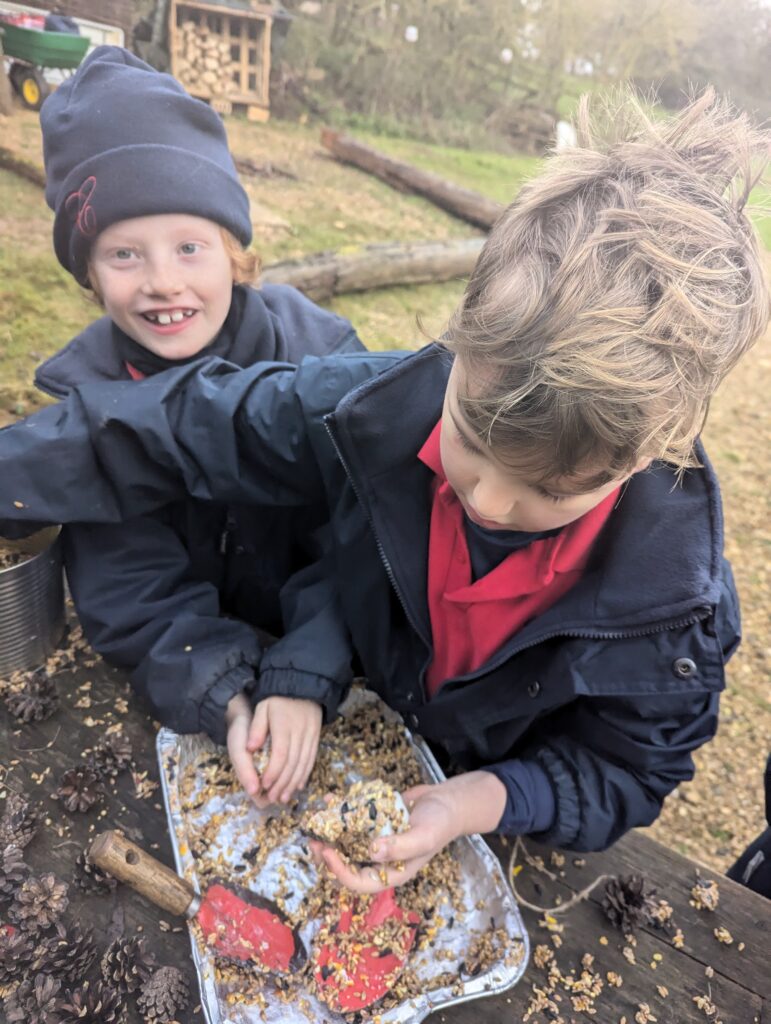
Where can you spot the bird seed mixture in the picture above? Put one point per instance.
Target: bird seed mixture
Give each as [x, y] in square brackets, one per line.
[451, 935]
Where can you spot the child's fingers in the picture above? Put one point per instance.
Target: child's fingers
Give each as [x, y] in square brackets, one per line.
[241, 759]
[412, 795]
[258, 730]
[303, 767]
[366, 879]
[419, 841]
[279, 751]
[281, 780]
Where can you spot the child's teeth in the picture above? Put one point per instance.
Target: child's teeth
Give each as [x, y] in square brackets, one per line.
[177, 315]
[164, 319]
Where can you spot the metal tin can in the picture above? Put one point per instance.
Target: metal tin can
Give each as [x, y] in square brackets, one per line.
[32, 603]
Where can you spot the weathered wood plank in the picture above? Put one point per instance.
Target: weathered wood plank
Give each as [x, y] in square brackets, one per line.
[35, 755]
[746, 916]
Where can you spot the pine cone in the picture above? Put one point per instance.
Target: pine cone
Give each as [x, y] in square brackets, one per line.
[39, 903]
[16, 952]
[626, 903]
[126, 964]
[68, 954]
[35, 1001]
[19, 821]
[13, 871]
[91, 1004]
[91, 878]
[111, 758]
[79, 789]
[163, 996]
[37, 699]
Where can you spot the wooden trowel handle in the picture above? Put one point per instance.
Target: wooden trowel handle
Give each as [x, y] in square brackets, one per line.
[130, 864]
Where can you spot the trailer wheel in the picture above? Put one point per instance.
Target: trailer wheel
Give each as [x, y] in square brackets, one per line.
[30, 85]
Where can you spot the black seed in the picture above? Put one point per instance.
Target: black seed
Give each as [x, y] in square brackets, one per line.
[372, 810]
[344, 808]
[239, 868]
[385, 951]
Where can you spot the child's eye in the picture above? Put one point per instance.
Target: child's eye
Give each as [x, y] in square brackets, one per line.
[465, 443]
[123, 254]
[189, 248]
[555, 498]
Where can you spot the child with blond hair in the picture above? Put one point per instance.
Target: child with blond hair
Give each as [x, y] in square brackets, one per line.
[524, 533]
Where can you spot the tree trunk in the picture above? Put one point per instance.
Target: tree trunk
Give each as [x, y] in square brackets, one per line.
[469, 206]
[376, 266]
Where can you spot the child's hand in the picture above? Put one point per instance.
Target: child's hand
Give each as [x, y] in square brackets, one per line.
[468, 803]
[293, 725]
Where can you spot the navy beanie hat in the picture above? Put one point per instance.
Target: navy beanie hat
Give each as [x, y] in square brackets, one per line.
[122, 140]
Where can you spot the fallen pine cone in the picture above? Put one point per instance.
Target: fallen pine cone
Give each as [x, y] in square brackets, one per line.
[80, 789]
[39, 903]
[91, 1004]
[13, 871]
[35, 701]
[126, 964]
[16, 952]
[111, 758]
[163, 996]
[68, 954]
[626, 903]
[34, 1001]
[19, 822]
[90, 878]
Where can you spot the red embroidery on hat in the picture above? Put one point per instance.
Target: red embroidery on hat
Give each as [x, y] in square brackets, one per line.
[85, 219]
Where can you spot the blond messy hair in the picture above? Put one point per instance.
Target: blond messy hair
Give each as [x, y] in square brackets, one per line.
[616, 292]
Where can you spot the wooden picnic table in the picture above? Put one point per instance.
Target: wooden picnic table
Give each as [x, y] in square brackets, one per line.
[736, 977]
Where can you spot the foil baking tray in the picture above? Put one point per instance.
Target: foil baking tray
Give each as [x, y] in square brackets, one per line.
[486, 896]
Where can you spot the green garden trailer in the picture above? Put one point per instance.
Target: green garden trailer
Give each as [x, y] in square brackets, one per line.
[30, 50]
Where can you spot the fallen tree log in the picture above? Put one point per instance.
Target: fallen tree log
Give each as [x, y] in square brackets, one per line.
[463, 202]
[376, 266]
[21, 166]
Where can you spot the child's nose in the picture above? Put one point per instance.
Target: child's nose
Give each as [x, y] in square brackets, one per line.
[162, 279]
[491, 501]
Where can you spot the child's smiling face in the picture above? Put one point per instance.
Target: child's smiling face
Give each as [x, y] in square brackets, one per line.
[166, 280]
[497, 497]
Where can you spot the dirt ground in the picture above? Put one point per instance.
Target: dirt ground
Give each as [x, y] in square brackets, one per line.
[716, 815]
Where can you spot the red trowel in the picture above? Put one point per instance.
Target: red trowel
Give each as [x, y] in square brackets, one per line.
[351, 969]
[237, 924]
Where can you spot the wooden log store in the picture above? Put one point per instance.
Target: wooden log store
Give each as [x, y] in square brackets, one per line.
[220, 52]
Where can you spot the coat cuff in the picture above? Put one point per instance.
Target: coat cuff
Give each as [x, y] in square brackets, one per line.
[530, 803]
[214, 704]
[567, 819]
[292, 682]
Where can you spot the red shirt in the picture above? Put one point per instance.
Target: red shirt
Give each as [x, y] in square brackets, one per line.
[470, 621]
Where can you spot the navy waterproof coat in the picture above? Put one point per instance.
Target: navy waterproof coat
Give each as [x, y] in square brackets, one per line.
[608, 692]
[173, 596]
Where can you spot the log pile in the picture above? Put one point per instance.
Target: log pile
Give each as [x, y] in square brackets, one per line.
[202, 60]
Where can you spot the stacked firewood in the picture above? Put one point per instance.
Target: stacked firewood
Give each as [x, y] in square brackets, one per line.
[203, 64]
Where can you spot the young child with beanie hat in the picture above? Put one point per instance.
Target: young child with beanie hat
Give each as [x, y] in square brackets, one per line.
[150, 215]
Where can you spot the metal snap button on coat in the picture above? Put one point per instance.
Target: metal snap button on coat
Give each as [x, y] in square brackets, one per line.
[684, 667]
[534, 688]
